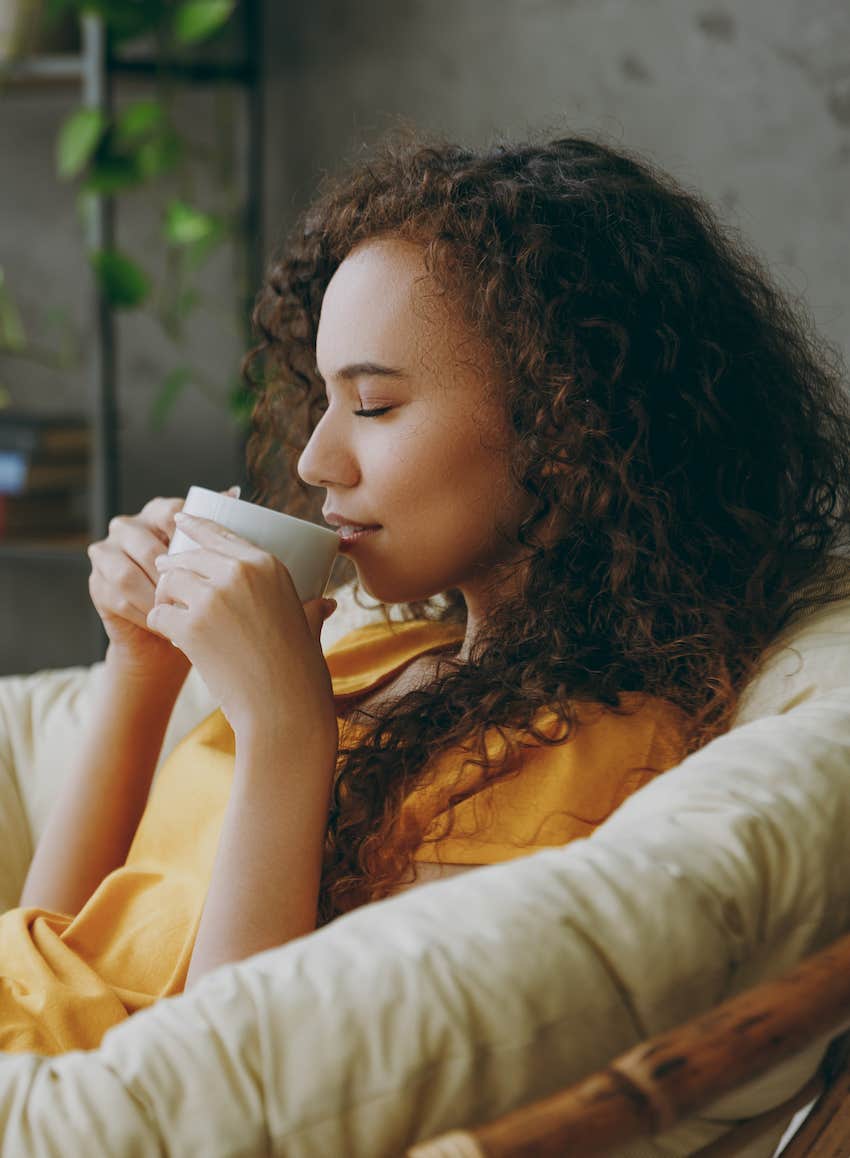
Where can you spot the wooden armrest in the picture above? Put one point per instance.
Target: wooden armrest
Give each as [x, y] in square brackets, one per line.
[676, 1074]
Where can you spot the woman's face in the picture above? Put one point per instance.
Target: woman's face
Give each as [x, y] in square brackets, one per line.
[432, 471]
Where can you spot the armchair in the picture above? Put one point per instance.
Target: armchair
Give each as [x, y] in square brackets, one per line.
[461, 1000]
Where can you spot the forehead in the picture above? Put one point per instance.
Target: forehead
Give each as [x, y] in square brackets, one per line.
[382, 305]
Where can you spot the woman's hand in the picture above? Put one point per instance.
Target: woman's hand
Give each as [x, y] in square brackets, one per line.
[122, 585]
[233, 610]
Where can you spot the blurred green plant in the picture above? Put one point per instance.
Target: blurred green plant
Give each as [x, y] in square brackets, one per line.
[137, 148]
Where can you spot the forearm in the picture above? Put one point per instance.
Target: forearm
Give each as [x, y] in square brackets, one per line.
[265, 881]
[95, 817]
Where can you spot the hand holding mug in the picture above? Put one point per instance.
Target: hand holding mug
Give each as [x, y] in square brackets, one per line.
[233, 608]
[122, 585]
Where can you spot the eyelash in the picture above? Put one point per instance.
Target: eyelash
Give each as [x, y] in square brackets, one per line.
[360, 413]
[372, 413]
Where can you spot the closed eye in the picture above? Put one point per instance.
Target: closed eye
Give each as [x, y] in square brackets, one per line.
[372, 413]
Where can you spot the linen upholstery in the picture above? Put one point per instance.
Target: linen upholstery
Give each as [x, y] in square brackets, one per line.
[458, 1000]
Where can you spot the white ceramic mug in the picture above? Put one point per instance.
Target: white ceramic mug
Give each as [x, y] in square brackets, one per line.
[307, 551]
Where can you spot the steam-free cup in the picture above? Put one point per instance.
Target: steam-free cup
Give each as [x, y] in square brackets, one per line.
[307, 551]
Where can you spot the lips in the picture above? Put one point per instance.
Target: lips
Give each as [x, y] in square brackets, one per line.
[334, 519]
[352, 528]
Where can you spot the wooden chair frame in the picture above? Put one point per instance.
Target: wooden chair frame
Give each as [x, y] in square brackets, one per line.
[676, 1074]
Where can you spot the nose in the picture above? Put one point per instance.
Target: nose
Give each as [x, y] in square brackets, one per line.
[306, 466]
[324, 462]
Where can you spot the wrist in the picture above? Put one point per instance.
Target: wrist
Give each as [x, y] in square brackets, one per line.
[275, 752]
[126, 671]
[312, 728]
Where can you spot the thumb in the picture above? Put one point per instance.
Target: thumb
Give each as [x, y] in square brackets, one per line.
[316, 612]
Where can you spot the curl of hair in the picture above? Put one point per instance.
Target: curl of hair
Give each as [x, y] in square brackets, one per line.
[675, 413]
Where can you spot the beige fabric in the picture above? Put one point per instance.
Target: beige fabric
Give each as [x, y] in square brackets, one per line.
[440, 1007]
[810, 657]
[457, 1144]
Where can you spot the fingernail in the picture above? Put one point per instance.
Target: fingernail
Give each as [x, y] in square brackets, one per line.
[235, 491]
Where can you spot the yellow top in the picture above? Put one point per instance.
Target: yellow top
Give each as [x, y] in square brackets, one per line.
[67, 979]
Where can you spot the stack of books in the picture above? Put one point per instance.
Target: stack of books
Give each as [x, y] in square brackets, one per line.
[45, 475]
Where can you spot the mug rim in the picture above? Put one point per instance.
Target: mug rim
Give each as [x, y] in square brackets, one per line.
[271, 511]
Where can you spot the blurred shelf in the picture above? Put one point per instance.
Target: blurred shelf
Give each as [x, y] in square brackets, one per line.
[43, 69]
[36, 70]
[70, 548]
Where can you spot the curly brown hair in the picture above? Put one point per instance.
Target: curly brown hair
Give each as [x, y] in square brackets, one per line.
[678, 414]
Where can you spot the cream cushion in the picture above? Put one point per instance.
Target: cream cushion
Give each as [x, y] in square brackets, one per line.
[459, 1000]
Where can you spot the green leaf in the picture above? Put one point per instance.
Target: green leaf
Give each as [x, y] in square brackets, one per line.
[123, 282]
[195, 20]
[187, 226]
[139, 121]
[169, 392]
[159, 155]
[198, 252]
[125, 20]
[5, 397]
[78, 139]
[56, 9]
[112, 175]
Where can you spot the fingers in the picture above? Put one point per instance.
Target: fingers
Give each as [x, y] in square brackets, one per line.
[201, 563]
[316, 611]
[184, 605]
[138, 540]
[124, 575]
[207, 533]
[158, 514]
[116, 585]
[175, 587]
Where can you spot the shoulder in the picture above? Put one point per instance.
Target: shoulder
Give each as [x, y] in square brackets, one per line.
[561, 790]
[407, 632]
[368, 652]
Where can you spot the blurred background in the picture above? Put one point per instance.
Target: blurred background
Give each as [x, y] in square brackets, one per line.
[155, 153]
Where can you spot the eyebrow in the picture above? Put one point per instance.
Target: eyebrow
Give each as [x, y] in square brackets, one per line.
[365, 370]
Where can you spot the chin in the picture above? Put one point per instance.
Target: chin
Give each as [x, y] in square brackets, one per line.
[395, 592]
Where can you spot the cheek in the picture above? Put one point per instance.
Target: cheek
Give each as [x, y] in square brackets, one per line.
[451, 470]
[419, 462]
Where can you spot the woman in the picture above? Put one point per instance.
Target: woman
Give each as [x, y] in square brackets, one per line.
[602, 456]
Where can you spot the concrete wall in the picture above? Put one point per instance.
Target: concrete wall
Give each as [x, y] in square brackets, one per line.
[747, 102]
